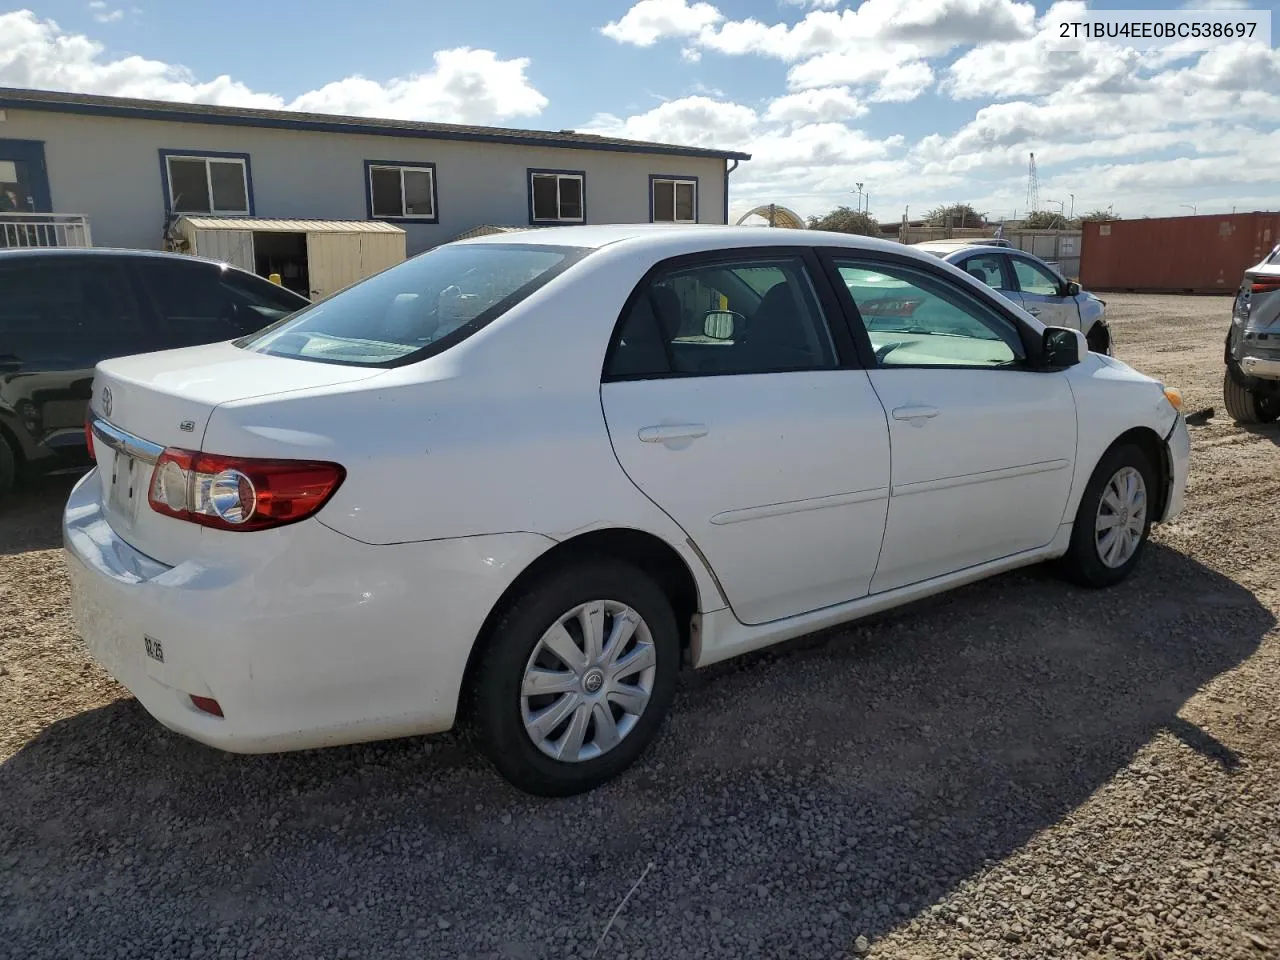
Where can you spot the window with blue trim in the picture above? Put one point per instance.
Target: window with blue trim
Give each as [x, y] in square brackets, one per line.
[398, 191]
[557, 197]
[675, 201]
[207, 184]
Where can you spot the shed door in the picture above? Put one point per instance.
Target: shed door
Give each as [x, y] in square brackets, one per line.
[233, 246]
[333, 262]
[378, 251]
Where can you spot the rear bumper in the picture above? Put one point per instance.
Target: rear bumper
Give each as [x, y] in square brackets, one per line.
[316, 640]
[1179, 446]
[1264, 368]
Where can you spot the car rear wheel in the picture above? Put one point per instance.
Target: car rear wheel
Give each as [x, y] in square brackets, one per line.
[1248, 406]
[576, 678]
[1114, 519]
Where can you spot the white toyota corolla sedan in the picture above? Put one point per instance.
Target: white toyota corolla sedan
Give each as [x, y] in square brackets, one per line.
[525, 478]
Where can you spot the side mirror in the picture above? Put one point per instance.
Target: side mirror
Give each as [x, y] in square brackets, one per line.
[1063, 347]
[1073, 289]
[720, 324]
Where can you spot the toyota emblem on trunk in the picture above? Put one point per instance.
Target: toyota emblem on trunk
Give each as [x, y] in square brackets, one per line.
[106, 401]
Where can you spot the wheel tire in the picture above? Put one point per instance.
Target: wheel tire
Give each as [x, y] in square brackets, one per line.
[8, 467]
[1098, 340]
[1248, 406]
[510, 646]
[1083, 563]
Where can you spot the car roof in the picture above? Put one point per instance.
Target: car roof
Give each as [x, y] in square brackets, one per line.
[14, 253]
[988, 242]
[675, 239]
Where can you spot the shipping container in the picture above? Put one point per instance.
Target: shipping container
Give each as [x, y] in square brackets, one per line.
[1202, 254]
[315, 258]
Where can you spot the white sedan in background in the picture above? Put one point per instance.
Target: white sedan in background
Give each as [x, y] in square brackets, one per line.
[526, 477]
[1031, 283]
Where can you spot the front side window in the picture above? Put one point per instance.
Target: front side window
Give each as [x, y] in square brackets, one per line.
[402, 192]
[69, 309]
[674, 201]
[731, 317]
[418, 308]
[208, 184]
[1033, 278]
[987, 269]
[916, 319]
[556, 197]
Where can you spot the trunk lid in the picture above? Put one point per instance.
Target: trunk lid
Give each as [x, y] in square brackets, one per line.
[1260, 310]
[165, 400]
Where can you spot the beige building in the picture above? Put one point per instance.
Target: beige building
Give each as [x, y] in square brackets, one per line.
[132, 167]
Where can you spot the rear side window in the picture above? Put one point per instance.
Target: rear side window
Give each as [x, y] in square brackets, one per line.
[730, 317]
[205, 303]
[69, 309]
[417, 308]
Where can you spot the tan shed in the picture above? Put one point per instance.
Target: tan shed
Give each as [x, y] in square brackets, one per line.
[315, 258]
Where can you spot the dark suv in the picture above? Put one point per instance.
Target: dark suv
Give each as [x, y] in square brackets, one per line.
[63, 310]
[1251, 386]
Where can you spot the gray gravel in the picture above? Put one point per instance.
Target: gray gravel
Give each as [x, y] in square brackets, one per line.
[1019, 769]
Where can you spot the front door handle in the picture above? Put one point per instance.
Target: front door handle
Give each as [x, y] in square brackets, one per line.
[1034, 311]
[915, 414]
[664, 433]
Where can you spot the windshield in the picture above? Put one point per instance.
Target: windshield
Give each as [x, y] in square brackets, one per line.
[417, 308]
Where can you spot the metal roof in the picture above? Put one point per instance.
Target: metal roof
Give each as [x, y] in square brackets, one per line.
[488, 229]
[19, 99]
[263, 225]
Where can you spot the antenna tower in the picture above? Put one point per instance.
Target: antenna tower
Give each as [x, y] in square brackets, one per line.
[1033, 187]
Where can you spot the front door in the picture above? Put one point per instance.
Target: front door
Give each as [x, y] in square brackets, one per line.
[983, 447]
[24, 184]
[1041, 293]
[734, 404]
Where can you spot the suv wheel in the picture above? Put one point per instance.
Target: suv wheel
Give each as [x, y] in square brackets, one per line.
[8, 466]
[577, 677]
[1248, 406]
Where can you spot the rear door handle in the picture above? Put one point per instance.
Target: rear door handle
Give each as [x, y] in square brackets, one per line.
[915, 414]
[663, 433]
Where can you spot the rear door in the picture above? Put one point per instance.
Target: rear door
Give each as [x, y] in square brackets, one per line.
[735, 402]
[59, 316]
[1042, 293]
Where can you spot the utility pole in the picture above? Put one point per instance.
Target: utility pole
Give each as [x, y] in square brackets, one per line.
[1073, 207]
[1061, 208]
[859, 186]
[1189, 206]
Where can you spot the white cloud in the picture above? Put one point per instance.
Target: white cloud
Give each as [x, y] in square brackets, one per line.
[1216, 5]
[650, 20]
[464, 86]
[103, 14]
[821, 105]
[817, 4]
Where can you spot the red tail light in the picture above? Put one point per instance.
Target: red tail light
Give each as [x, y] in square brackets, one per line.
[1265, 286]
[88, 434]
[240, 493]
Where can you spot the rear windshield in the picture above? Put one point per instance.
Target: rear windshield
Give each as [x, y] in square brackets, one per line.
[417, 308]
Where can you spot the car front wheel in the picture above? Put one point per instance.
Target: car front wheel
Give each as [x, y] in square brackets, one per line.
[576, 678]
[1114, 518]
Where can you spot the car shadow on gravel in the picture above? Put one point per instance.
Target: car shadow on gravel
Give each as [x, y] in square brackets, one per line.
[797, 799]
[31, 516]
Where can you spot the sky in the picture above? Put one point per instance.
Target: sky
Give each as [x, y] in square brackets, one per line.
[923, 102]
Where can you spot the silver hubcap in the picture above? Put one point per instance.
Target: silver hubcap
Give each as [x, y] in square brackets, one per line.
[588, 681]
[1122, 517]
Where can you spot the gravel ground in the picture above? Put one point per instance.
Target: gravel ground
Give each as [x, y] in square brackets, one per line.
[1018, 769]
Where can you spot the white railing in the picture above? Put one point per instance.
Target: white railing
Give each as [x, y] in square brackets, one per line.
[44, 230]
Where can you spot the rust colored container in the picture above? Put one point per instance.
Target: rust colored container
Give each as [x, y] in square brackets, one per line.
[1205, 254]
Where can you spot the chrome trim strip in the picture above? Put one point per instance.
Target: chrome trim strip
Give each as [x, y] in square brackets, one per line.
[798, 506]
[121, 441]
[947, 483]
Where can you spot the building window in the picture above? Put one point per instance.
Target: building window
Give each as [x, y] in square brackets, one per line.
[557, 196]
[210, 183]
[673, 199]
[400, 191]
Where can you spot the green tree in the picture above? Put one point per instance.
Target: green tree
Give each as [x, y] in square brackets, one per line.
[844, 220]
[1044, 220]
[959, 214]
[1099, 215]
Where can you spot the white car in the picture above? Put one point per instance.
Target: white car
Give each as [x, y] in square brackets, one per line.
[1031, 283]
[524, 478]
